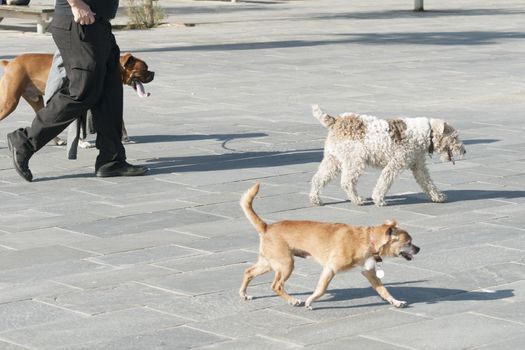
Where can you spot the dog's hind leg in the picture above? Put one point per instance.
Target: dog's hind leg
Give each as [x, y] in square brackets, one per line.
[328, 169]
[322, 285]
[260, 267]
[283, 270]
[381, 289]
[351, 170]
[422, 176]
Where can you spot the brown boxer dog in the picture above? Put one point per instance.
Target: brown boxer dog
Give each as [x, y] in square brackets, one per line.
[26, 76]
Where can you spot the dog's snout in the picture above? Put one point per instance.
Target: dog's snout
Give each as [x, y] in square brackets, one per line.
[416, 249]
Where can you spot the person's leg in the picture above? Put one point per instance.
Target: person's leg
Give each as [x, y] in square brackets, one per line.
[107, 113]
[80, 54]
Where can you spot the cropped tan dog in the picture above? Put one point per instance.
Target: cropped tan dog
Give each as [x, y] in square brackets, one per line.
[337, 247]
[26, 76]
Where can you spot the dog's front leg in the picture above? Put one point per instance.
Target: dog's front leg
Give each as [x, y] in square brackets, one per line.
[384, 182]
[381, 289]
[422, 176]
[322, 285]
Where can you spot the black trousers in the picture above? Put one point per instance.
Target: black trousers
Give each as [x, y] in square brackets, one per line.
[91, 59]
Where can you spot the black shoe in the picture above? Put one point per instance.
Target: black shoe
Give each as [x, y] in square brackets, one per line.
[20, 161]
[120, 169]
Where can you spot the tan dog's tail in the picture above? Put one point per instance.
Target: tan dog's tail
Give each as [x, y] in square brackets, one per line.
[324, 118]
[246, 205]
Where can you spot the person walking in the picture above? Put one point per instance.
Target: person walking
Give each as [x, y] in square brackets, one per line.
[82, 31]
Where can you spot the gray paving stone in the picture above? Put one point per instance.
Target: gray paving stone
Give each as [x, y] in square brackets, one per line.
[210, 261]
[316, 333]
[31, 257]
[173, 338]
[104, 327]
[448, 332]
[359, 342]
[51, 270]
[28, 291]
[147, 255]
[28, 313]
[253, 343]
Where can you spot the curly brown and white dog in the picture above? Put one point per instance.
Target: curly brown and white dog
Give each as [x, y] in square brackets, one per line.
[355, 141]
[337, 247]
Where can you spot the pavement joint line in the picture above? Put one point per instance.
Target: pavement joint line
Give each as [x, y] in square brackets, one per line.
[17, 344]
[87, 193]
[147, 307]
[312, 321]
[164, 289]
[496, 318]
[209, 332]
[8, 247]
[95, 261]
[386, 342]
[165, 267]
[420, 268]
[213, 214]
[206, 252]
[186, 233]
[10, 194]
[504, 247]
[83, 250]
[67, 285]
[279, 340]
[62, 307]
[76, 232]
[408, 312]
[504, 226]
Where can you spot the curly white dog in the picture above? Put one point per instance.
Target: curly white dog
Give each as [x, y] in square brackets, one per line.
[355, 141]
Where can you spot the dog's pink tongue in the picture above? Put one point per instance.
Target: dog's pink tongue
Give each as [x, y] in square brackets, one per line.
[140, 89]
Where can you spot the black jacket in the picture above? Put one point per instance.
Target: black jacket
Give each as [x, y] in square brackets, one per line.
[102, 8]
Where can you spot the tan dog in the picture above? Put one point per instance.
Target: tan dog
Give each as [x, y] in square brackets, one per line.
[26, 76]
[337, 247]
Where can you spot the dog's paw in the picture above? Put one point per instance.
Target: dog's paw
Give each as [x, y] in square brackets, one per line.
[315, 200]
[308, 307]
[245, 296]
[294, 302]
[85, 144]
[358, 201]
[399, 303]
[439, 198]
[57, 141]
[380, 202]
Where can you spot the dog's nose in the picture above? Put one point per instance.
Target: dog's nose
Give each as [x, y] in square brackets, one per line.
[416, 249]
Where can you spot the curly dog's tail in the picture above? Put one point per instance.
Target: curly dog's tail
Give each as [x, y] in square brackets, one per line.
[246, 205]
[323, 117]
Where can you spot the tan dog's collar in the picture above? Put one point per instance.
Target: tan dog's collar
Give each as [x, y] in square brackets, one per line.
[375, 252]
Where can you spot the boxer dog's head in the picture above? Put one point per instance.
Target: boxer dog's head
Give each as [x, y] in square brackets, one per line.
[135, 73]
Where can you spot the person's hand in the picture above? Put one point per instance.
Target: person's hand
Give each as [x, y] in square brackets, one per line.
[82, 13]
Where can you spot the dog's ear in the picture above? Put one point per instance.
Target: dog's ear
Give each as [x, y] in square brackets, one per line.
[390, 231]
[127, 60]
[438, 126]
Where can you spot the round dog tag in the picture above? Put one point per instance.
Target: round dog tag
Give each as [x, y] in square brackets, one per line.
[379, 271]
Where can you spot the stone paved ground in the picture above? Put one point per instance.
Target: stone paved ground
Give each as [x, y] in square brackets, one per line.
[155, 262]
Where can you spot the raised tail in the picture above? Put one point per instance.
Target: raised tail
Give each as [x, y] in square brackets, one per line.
[323, 117]
[246, 205]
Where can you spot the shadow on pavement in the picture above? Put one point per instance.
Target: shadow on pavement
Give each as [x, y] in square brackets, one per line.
[412, 294]
[231, 161]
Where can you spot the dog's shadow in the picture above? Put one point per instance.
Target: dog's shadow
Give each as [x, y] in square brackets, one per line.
[412, 294]
[452, 197]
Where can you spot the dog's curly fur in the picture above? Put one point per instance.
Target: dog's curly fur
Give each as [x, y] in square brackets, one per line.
[355, 141]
